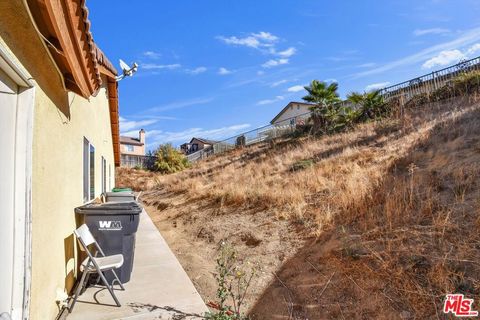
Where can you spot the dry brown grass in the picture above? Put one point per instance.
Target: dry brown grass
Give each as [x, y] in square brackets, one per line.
[137, 179]
[394, 207]
[345, 169]
[414, 238]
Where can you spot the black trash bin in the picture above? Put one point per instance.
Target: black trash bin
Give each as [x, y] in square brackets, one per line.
[122, 196]
[114, 225]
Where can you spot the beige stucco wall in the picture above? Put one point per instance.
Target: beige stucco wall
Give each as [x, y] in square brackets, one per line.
[61, 120]
[58, 188]
[137, 150]
[292, 111]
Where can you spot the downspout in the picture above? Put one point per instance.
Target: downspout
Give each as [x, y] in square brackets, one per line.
[42, 37]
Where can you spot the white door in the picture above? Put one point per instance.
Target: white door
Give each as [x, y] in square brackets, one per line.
[8, 107]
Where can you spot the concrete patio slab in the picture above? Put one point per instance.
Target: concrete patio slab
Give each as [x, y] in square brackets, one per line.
[159, 287]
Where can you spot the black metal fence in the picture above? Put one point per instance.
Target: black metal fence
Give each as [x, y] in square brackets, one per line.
[429, 82]
[262, 134]
[137, 161]
[404, 91]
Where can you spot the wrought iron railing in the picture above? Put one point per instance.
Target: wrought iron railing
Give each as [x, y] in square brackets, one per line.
[425, 84]
[429, 82]
[132, 161]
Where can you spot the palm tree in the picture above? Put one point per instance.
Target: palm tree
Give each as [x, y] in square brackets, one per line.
[372, 104]
[321, 94]
[324, 98]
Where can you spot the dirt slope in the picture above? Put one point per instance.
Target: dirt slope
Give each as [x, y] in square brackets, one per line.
[379, 222]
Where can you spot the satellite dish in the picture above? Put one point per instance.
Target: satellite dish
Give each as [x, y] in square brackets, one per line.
[127, 71]
[124, 66]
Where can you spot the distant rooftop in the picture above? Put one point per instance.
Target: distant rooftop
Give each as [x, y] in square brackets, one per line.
[130, 140]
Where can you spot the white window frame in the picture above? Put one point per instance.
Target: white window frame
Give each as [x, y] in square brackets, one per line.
[104, 175]
[130, 148]
[23, 184]
[86, 181]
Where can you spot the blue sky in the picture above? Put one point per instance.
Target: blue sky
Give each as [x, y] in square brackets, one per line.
[215, 68]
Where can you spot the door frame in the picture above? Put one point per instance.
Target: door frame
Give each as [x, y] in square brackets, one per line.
[22, 183]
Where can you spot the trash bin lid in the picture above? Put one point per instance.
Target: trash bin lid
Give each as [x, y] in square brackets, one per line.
[110, 208]
[121, 189]
[120, 194]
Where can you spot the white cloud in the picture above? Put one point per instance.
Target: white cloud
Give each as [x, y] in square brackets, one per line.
[156, 137]
[467, 38]
[473, 50]
[267, 36]
[444, 58]
[423, 32]
[180, 104]
[152, 54]
[196, 70]
[367, 65]
[265, 42]
[248, 41]
[277, 83]
[154, 66]
[260, 73]
[224, 71]
[269, 101]
[447, 57]
[128, 125]
[331, 80]
[275, 62]
[296, 88]
[253, 40]
[377, 86]
[287, 53]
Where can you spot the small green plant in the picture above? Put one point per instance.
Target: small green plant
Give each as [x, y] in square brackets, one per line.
[371, 105]
[169, 160]
[233, 279]
[302, 165]
[467, 82]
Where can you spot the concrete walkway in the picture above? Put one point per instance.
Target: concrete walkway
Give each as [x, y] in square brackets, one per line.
[159, 287]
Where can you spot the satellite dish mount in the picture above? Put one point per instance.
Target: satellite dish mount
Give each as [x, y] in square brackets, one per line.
[127, 71]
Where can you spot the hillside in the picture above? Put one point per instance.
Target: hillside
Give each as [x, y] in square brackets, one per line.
[379, 222]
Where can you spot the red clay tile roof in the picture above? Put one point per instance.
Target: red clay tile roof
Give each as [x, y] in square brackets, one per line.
[66, 26]
[98, 56]
[103, 61]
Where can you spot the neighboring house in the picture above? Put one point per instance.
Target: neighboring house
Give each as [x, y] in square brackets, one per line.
[133, 146]
[59, 133]
[132, 151]
[197, 144]
[292, 111]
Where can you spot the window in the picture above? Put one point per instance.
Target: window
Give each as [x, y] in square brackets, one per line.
[92, 172]
[104, 175]
[88, 171]
[86, 194]
[129, 147]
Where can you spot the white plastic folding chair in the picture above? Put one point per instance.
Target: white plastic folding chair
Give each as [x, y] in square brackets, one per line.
[94, 264]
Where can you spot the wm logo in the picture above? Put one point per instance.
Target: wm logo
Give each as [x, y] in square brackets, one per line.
[110, 225]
